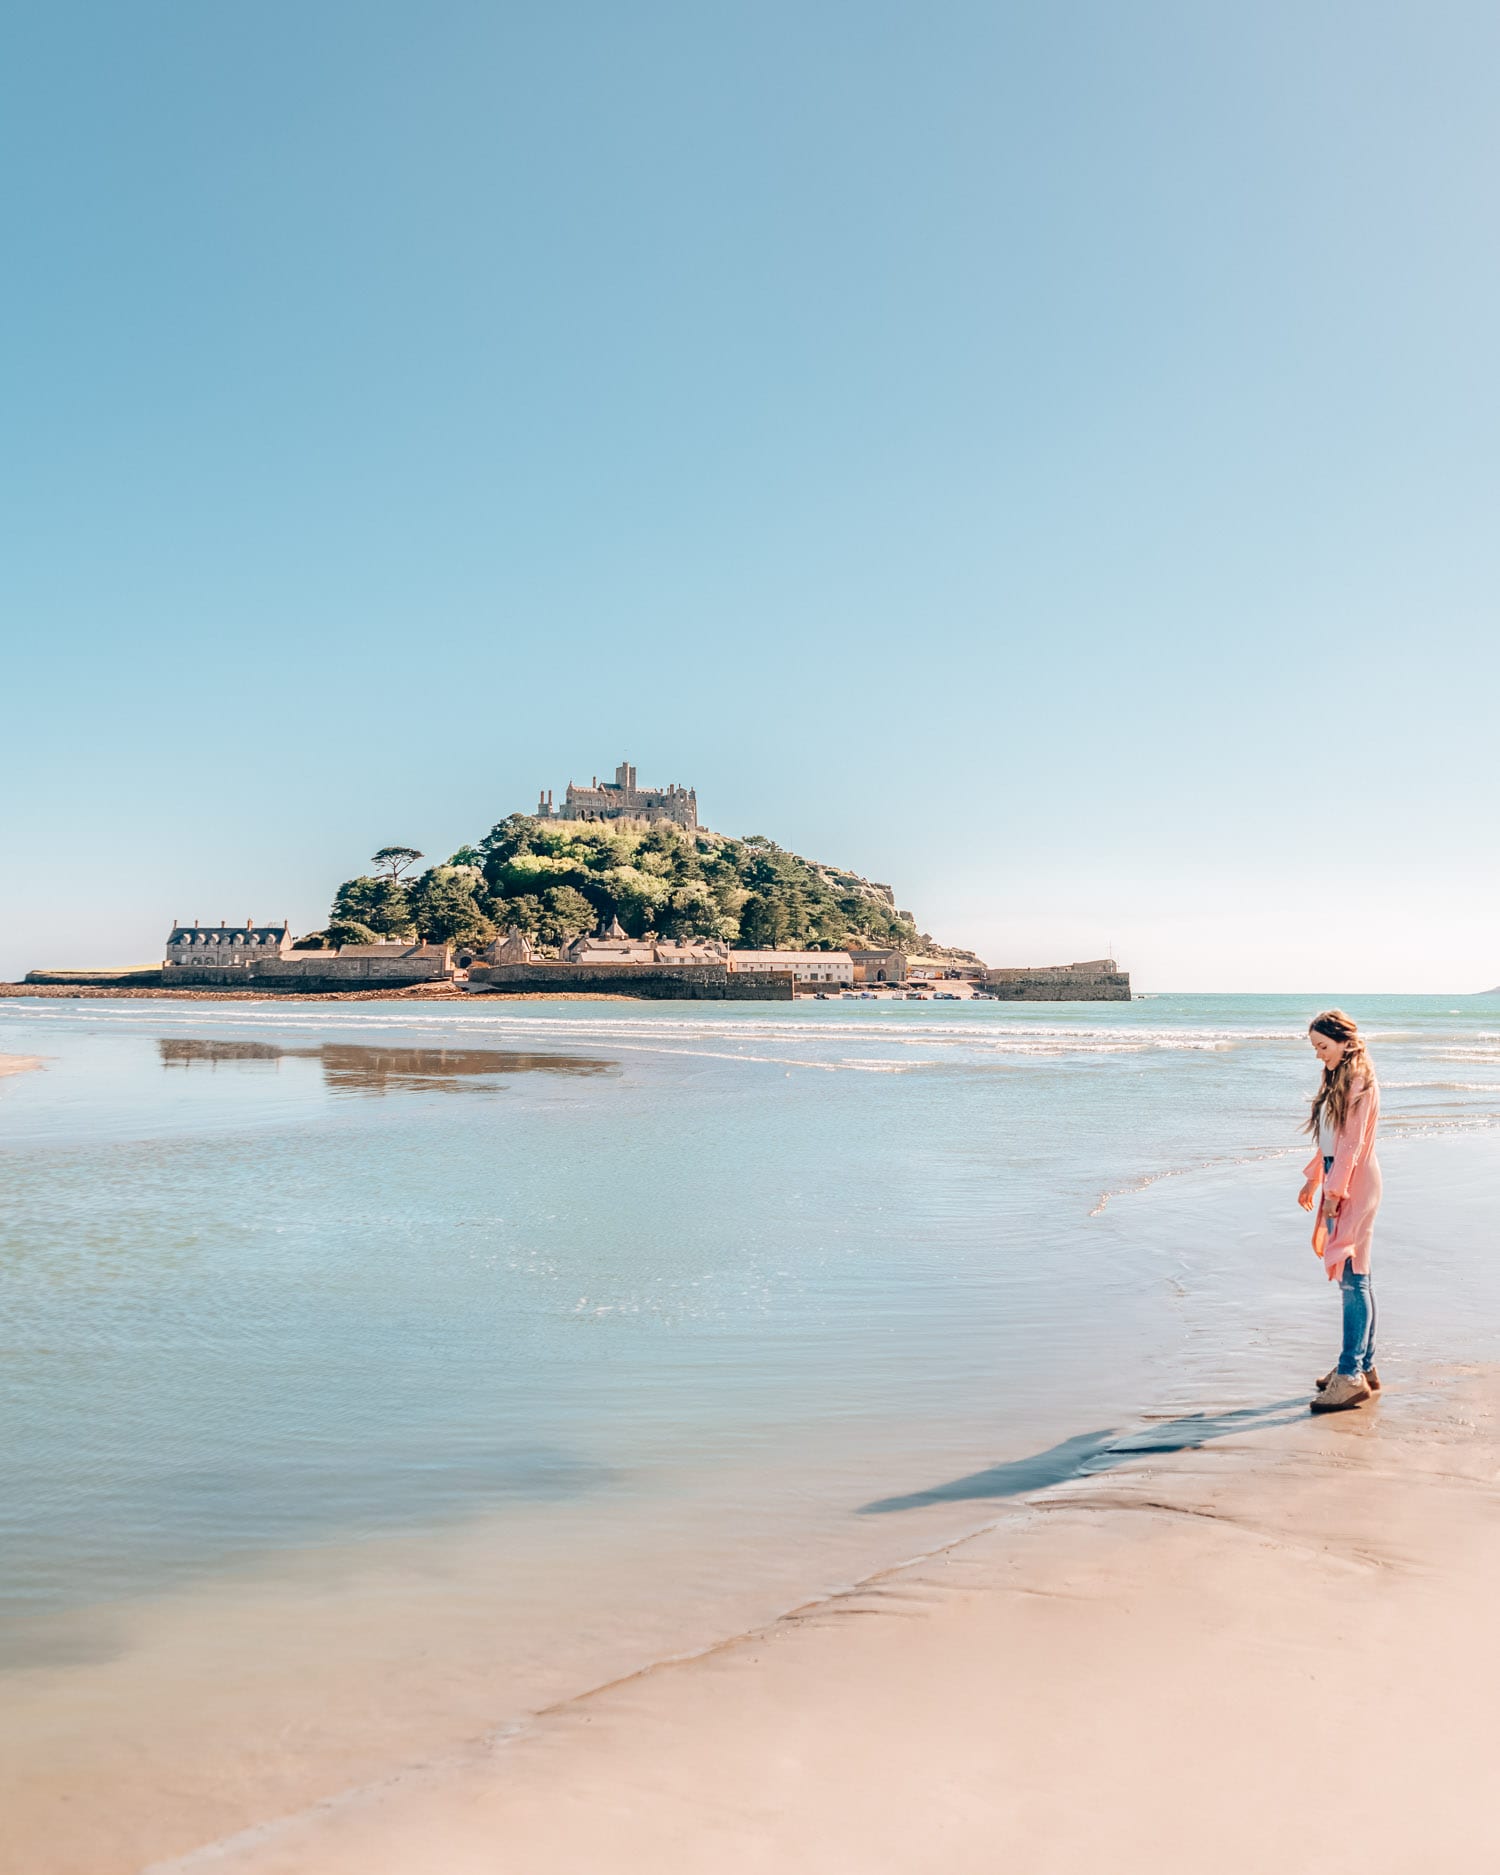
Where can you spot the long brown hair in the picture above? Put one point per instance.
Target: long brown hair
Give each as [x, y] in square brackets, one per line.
[1342, 1086]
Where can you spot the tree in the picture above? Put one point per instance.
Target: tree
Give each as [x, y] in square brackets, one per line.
[554, 879]
[566, 914]
[348, 931]
[762, 923]
[445, 910]
[382, 904]
[396, 860]
[526, 912]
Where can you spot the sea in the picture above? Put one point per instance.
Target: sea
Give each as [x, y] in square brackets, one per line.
[379, 1376]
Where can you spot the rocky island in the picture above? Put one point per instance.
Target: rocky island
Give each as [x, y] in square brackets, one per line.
[617, 889]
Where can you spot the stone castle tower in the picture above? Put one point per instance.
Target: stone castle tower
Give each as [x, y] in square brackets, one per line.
[621, 799]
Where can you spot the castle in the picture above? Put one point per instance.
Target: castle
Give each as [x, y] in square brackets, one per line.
[621, 799]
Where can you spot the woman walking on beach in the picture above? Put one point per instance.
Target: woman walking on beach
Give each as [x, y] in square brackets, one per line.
[1345, 1113]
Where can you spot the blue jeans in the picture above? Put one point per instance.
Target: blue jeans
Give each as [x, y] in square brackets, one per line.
[1358, 1355]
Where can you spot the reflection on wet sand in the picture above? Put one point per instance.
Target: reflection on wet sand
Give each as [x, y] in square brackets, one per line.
[354, 1067]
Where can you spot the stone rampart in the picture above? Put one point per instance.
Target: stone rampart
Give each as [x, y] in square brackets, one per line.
[95, 979]
[662, 982]
[1058, 986]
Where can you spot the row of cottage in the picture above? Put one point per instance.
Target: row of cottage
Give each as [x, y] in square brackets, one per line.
[222, 955]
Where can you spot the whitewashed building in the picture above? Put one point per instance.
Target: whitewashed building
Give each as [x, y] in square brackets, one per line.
[817, 969]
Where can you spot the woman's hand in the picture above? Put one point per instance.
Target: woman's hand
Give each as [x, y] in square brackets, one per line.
[1308, 1194]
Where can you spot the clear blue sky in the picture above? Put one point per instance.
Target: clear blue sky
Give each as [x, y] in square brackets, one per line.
[1041, 456]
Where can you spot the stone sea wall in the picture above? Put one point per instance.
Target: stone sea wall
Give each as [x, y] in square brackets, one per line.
[315, 971]
[1057, 986]
[690, 982]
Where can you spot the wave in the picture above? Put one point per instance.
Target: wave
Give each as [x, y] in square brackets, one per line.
[1446, 1087]
[893, 1031]
[1262, 1155]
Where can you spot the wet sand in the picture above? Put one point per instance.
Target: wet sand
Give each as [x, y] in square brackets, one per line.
[1273, 1647]
[19, 1064]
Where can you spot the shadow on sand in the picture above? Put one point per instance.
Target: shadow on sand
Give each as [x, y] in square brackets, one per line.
[1090, 1452]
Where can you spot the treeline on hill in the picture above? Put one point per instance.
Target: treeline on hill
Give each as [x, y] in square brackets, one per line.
[557, 880]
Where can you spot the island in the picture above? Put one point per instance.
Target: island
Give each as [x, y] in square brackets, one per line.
[618, 889]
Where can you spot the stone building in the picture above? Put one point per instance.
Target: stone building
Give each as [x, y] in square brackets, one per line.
[824, 969]
[514, 948]
[262, 957]
[621, 799]
[226, 946]
[878, 965]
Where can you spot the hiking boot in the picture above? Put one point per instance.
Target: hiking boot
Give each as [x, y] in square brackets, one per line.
[1372, 1379]
[1342, 1392]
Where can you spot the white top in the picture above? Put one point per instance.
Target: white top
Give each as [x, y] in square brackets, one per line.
[1328, 1138]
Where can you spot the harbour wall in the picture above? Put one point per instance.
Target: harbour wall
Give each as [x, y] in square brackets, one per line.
[1057, 986]
[304, 971]
[663, 982]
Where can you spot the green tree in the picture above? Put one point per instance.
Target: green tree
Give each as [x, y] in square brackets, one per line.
[762, 923]
[348, 931]
[396, 860]
[445, 909]
[750, 891]
[566, 914]
[525, 911]
[382, 904]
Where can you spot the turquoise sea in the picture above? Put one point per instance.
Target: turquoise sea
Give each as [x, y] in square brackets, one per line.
[375, 1374]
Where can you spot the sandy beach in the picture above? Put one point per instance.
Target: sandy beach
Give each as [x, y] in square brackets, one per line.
[19, 1064]
[1273, 1648]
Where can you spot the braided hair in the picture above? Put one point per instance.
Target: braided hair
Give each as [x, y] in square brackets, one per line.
[1342, 1086]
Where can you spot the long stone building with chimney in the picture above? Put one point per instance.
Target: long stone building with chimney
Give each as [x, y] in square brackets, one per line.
[622, 799]
[226, 956]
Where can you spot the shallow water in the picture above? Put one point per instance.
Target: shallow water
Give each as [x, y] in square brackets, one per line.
[484, 1351]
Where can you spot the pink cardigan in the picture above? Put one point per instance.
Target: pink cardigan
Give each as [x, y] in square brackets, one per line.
[1354, 1181]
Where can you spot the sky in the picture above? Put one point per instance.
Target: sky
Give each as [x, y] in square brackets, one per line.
[1041, 457]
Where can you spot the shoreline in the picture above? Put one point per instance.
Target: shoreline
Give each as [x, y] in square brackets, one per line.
[1012, 1698]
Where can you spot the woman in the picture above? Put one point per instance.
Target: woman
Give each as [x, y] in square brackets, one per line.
[1345, 1113]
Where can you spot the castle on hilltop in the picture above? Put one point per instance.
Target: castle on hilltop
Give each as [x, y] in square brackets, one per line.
[621, 799]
